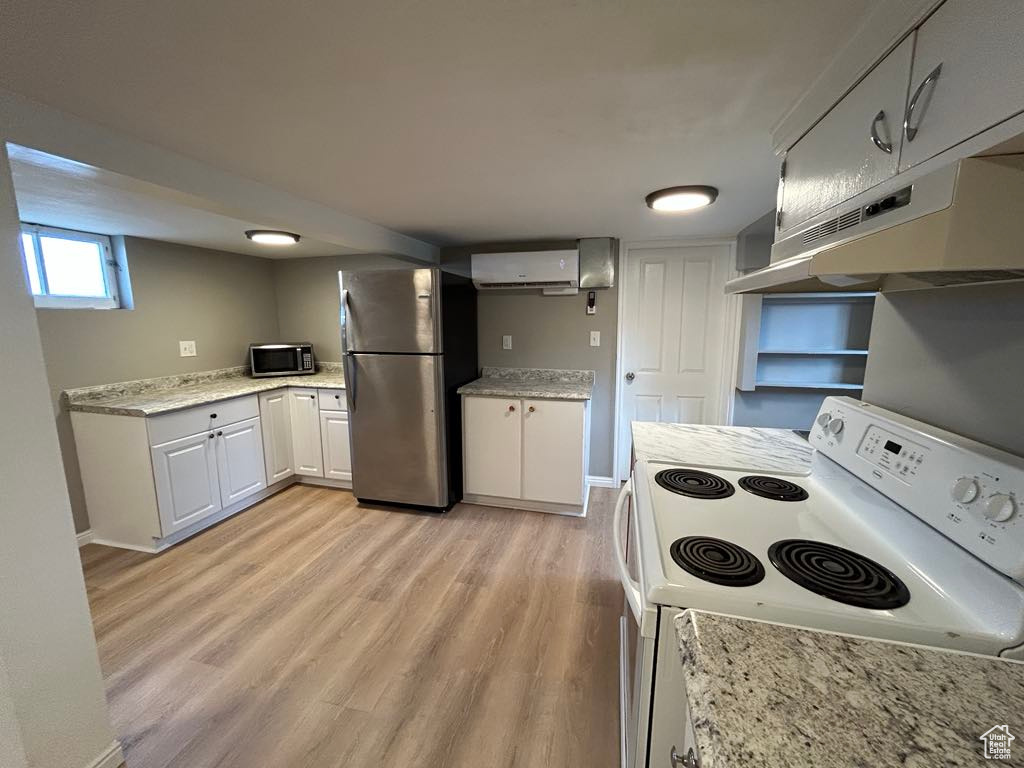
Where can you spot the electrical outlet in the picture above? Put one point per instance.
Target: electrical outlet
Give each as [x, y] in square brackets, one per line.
[506, 342]
[595, 338]
[186, 348]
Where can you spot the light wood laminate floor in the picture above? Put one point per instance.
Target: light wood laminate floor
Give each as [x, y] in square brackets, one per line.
[310, 631]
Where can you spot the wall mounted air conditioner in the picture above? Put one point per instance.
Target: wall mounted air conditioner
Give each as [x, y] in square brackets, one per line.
[556, 272]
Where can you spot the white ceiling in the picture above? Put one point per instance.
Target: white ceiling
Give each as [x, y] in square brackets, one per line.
[61, 193]
[452, 120]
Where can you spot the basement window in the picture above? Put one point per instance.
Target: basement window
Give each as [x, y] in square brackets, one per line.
[69, 269]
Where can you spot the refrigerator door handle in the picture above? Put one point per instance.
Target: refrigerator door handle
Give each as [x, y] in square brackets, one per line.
[346, 356]
[344, 321]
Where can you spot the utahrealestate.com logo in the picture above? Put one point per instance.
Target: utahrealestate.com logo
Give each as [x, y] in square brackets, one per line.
[997, 742]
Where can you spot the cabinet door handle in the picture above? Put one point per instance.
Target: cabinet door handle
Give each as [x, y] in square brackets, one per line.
[511, 409]
[211, 435]
[911, 131]
[213, 415]
[219, 434]
[885, 146]
[531, 409]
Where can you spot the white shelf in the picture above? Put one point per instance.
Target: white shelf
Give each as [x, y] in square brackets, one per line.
[818, 385]
[822, 296]
[812, 351]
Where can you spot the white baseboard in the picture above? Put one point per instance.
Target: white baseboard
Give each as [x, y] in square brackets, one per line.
[85, 537]
[550, 507]
[597, 481]
[112, 757]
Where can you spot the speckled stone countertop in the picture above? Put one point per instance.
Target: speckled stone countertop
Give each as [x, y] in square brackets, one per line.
[704, 445]
[150, 397]
[767, 695]
[537, 383]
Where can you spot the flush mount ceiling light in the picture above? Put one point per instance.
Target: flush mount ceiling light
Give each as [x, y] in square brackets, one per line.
[272, 237]
[680, 199]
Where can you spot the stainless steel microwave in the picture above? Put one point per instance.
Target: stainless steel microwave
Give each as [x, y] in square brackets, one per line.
[281, 359]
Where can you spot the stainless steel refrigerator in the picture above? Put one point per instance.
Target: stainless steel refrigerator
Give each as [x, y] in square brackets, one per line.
[409, 342]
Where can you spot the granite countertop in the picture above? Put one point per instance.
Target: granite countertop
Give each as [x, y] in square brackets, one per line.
[536, 383]
[704, 445]
[150, 397]
[769, 695]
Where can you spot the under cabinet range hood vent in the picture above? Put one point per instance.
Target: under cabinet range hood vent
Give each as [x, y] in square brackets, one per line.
[556, 272]
[959, 225]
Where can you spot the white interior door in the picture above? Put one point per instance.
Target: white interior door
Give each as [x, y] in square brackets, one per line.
[674, 320]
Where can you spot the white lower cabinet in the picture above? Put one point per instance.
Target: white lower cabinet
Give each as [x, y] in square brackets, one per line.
[276, 421]
[530, 454]
[185, 473]
[337, 451]
[553, 448]
[240, 463]
[306, 445]
[150, 482]
[492, 446]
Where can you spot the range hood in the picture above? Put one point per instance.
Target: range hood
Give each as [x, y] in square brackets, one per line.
[959, 225]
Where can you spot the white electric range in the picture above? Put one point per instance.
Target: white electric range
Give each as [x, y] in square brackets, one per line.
[897, 531]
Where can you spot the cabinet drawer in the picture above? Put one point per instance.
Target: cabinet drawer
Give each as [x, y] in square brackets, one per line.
[171, 426]
[332, 400]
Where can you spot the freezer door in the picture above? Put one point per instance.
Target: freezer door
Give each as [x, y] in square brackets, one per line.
[392, 310]
[396, 416]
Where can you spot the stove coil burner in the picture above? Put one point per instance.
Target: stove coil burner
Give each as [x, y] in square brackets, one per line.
[717, 561]
[838, 574]
[772, 488]
[694, 483]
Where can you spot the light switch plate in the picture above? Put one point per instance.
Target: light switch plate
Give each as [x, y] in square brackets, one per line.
[595, 338]
[506, 342]
[187, 348]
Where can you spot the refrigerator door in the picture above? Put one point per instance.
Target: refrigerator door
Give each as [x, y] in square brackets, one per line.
[392, 310]
[396, 417]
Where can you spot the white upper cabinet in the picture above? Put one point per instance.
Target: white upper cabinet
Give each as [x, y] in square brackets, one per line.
[307, 451]
[968, 75]
[493, 446]
[240, 461]
[185, 474]
[335, 441]
[276, 420]
[853, 148]
[553, 450]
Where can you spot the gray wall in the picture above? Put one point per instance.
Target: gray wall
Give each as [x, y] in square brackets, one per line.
[308, 301]
[223, 301]
[552, 332]
[952, 357]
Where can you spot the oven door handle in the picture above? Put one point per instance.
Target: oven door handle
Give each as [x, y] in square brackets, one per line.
[630, 587]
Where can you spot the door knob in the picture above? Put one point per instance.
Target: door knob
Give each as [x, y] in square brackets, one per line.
[630, 376]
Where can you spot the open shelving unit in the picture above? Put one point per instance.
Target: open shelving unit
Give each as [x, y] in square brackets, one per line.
[798, 348]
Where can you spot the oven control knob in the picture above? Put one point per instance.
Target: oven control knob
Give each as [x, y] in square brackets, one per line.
[836, 426]
[824, 419]
[965, 490]
[1000, 507]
